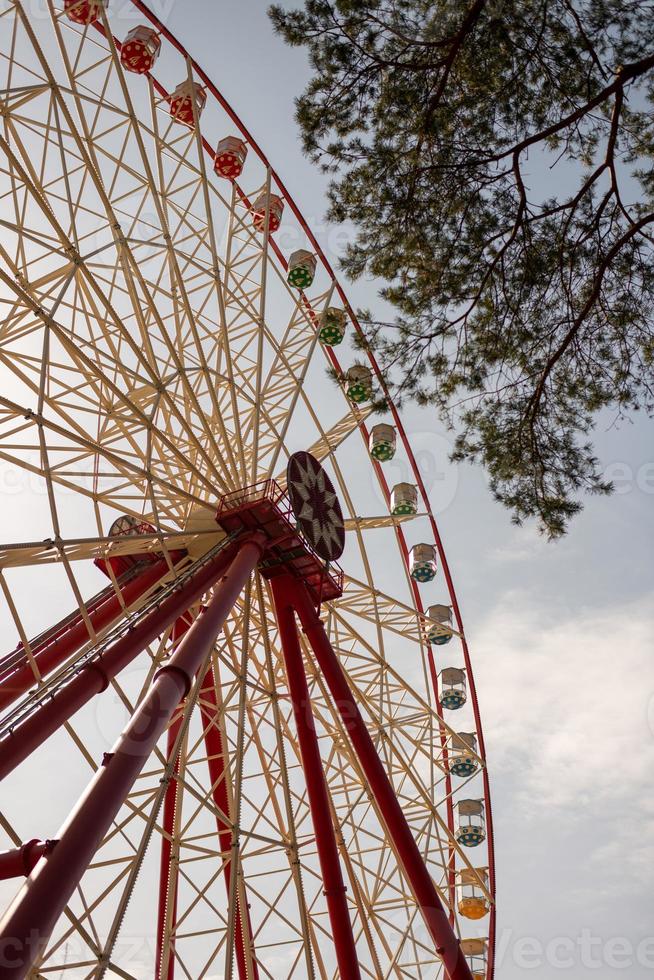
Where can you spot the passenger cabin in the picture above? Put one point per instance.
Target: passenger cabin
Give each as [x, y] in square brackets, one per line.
[475, 953]
[382, 442]
[333, 323]
[358, 383]
[462, 754]
[301, 269]
[422, 563]
[404, 499]
[470, 823]
[84, 11]
[440, 616]
[472, 893]
[230, 157]
[140, 50]
[267, 211]
[453, 688]
[182, 100]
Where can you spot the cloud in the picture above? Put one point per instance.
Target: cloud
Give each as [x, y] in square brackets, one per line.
[567, 703]
[525, 543]
[568, 710]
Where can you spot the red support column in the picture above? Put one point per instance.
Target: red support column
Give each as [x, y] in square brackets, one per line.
[218, 775]
[26, 736]
[17, 677]
[28, 923]
[18, 862]
[330, 865]
[424, 890]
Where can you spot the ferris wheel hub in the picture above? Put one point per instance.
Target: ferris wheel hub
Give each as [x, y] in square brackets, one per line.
[265, 506]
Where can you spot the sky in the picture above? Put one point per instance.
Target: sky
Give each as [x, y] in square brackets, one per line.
[560, 634]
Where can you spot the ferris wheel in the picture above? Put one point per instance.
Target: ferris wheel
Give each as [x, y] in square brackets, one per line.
[213, 529]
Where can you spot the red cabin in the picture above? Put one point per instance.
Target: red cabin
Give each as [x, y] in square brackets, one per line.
[230, 157]
[126, 527]
[270, 206]
[84, 11]
[181, 102]
[140, 50]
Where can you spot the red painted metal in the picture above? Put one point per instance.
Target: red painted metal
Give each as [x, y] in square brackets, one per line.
[27, 735]
[19, 861]
[165, 964]
[285, 590]
[231, 154]
[447, 944]
[140, 50]
[71, 634]
[25, 928]
[218, 776]
[83, 11]
[264, 506]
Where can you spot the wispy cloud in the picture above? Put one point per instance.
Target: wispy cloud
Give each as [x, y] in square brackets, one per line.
[567, 701]
[567, 705]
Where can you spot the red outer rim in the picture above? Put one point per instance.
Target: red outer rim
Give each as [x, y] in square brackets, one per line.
[211, 87]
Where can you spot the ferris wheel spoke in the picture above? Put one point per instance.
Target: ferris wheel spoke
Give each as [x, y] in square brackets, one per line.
[403, 711]
[332, 438]
[94, 380]
[244, 286]
[382, 886]
[356, 887]
[248, 330]
[133, 279]
[85, 366]
[175, 748]
[86, 549]
[130, 471]
[395, 615]
[384, 520]
[281, 388]
[306, 933]
[163, 193]
[288, 821]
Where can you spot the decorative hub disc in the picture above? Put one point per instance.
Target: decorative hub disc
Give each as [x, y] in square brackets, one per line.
[315, 505]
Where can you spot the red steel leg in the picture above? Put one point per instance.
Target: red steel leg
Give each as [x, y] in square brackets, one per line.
[18, 862]
[26, 736]
[28, 923]
[330, 864]
[17, 677]
[218, 775]
[447, 944]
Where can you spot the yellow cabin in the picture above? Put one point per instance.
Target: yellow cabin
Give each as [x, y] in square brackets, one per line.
[472, 893]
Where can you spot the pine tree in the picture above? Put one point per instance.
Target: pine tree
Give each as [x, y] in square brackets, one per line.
[496, 160]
